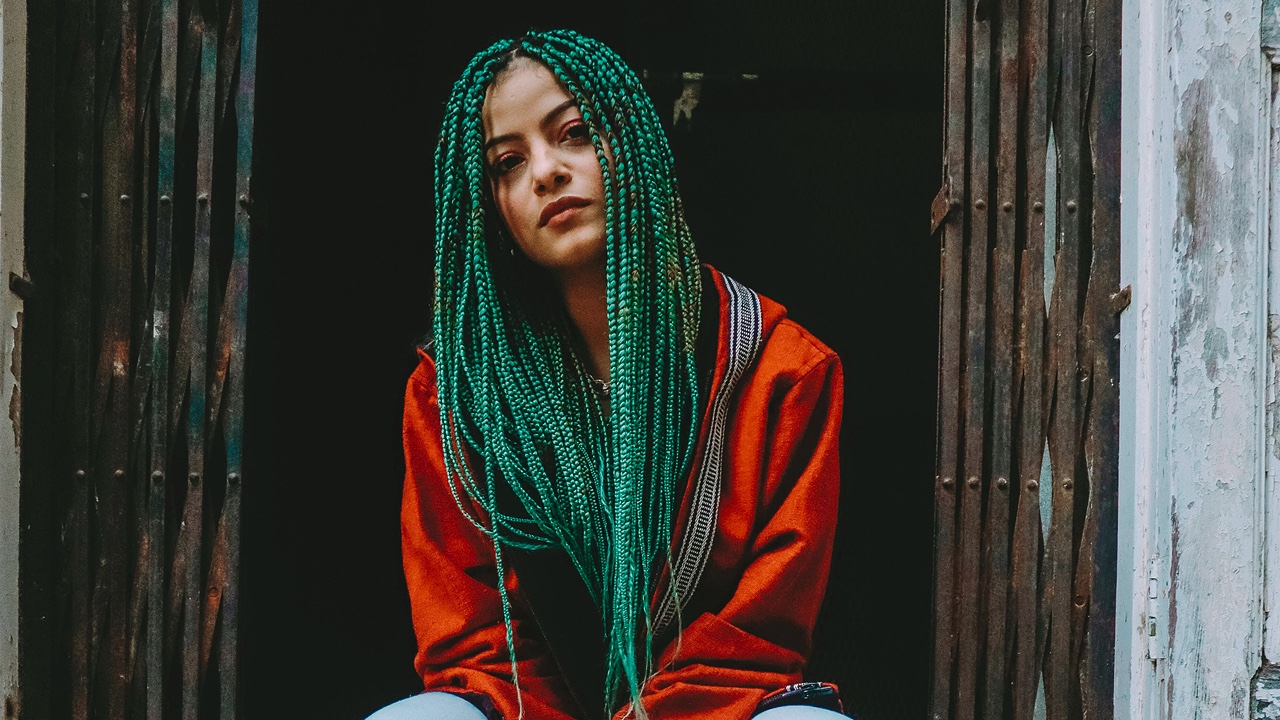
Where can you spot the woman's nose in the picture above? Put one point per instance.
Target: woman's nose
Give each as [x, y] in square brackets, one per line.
[549, 172]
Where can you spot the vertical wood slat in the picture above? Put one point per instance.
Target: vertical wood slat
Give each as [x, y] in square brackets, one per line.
[114, 356]
[166, 119]
[1089, 476]
[1036, 613]
[1102, 432]
[238, 302]
[78, 326]
[1063, 329]
[974, 398]
[1027, 534]
[219, 366]
[187, 60]
[951, 270]
[146, 34]
[1002, 288]
[197, 322]
[1097, 666]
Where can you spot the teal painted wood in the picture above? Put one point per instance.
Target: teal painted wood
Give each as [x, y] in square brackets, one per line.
[236, 307]
[1271, 23]
[165, 102]
[196, 339]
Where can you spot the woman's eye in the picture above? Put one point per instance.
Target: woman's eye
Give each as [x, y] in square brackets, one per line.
[577, 130]
[506, 164]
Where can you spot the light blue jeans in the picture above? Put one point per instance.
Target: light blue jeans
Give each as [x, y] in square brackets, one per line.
[444, 706]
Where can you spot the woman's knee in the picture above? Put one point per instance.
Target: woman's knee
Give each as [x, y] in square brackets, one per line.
[429, 706]
[799, 712]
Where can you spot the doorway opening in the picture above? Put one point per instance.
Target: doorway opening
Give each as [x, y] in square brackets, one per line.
[809, 180]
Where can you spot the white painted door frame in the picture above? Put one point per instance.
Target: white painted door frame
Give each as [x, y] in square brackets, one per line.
[13, 109]
[1194, 360]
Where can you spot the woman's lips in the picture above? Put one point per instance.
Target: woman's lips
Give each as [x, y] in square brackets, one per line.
[559, 206]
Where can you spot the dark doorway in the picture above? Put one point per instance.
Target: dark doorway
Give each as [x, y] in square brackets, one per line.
[810, 183]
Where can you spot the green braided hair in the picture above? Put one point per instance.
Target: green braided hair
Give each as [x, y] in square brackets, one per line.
[519, 413]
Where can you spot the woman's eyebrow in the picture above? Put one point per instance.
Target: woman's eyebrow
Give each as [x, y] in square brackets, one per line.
[546, 120]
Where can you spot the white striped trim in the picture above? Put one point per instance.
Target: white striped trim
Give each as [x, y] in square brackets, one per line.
[745, 339]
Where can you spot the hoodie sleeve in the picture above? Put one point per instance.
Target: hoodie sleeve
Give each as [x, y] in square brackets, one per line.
[776, 531]
[452, 579]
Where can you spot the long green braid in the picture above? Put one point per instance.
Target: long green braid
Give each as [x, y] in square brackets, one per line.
[517, 405]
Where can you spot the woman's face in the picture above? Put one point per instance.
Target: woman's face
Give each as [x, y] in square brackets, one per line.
[545, 177]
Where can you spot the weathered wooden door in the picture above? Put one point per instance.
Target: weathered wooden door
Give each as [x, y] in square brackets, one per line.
[139, 154]
[1028, 430]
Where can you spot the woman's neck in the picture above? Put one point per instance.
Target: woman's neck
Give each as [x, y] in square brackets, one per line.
[583, 290]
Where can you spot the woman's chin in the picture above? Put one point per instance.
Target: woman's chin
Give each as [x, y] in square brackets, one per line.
[571, 255]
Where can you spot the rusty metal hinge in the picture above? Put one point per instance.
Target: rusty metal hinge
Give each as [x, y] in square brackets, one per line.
[1120, 300]
[21, 286]
[943, 206]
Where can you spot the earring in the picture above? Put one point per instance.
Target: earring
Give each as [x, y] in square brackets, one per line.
[505, 239]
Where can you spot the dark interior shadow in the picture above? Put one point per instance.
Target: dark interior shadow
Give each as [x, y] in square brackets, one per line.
[810, 183]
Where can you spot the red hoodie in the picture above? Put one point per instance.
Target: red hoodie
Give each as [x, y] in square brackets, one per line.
[753, 539]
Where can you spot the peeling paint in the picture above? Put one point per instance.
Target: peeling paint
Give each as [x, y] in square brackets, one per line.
[1215, 351]
[1266, 694]
[1221, 338]
[1174, 555]
[15, 370]
[13, 48]
[1273, 368]
[1271, 23]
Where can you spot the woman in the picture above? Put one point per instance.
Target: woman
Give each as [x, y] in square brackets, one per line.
[643, 450]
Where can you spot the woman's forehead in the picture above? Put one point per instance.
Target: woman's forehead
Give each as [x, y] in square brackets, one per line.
[520, 97]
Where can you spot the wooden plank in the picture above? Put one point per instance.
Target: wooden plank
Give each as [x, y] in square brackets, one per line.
[952, 269]
[78, 324]
[968, 620]
[1027, 531]
[189, 53]
[1209, 247]
[113, 382]
[115, 66]
[148, 36]
[229, 61]
[238, 302]
[229, 69]
[1002, 305]
[949, 344]
[213, 587]
[104, 446]
[1105, 301]
[161, 294]
[197, 322]
[1063, 329]
[181, 646]
[1082, 572]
